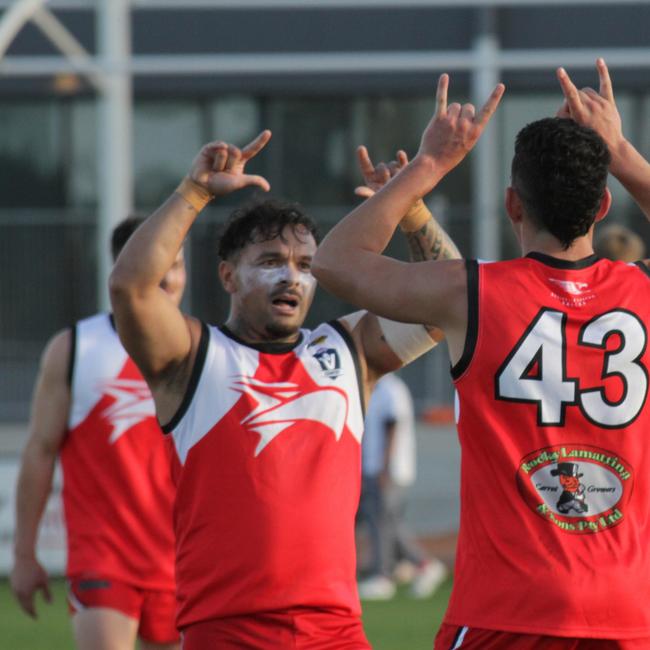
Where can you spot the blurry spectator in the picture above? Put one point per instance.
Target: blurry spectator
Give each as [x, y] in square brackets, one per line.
[388, 469]
[617, 242]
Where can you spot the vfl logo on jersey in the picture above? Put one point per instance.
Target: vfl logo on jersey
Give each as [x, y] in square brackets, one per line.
[280, 405]
[329, 361]
[577, 488]
[133, 404]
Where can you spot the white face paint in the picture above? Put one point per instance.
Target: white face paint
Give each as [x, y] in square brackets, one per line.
[273, 277]
[275, 286]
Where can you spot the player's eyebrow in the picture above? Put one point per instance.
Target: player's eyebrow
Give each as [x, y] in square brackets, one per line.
[269, 255]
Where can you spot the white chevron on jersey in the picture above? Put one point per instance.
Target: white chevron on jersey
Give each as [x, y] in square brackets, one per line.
[98, 355]
[133, 403]
[229, 370]
[280, 405]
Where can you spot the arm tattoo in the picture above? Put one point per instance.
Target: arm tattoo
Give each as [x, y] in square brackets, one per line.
[431, 242]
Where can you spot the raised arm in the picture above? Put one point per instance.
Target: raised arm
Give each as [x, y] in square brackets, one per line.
[349, 262]
[597, 109]
[47, 427]
[388, 345]
[427, 239]
[157, 335]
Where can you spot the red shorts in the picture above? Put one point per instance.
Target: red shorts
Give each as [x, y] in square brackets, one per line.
[288, 630]
[450, 637]
[155, 610]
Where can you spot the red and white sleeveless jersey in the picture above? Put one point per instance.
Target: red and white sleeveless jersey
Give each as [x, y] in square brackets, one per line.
[267, 445]
[117, 489]
[554, 427]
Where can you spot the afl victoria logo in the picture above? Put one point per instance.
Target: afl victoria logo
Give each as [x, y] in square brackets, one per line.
[577, 488]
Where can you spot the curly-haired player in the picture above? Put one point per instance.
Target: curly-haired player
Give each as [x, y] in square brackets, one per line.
[550, 359]
[265, 416]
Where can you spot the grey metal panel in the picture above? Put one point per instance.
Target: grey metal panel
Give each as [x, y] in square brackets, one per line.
[294, 31]
[561, 27]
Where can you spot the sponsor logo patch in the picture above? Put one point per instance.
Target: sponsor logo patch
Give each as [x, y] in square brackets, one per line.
[577, 488]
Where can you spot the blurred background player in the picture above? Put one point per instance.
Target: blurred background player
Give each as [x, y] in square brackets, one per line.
[550, 360]
[92, 409]
[618, 242]
[265, 417]
[388, 461]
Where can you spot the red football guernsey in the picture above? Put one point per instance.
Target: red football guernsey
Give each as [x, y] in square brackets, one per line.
[554, 428]
[117, 489]
[267, 445]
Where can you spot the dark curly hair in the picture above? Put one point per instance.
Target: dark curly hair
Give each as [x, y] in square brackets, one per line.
[560, 173]
[123, 231]
[261, 221]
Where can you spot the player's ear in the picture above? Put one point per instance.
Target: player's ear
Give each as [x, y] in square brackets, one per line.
[605, 205]
[514, 206]
[228, 276]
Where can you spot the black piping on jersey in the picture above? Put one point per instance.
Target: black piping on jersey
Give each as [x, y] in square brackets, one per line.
[472, 320]
[558, 263]
[643, 267]
[199, 362]
[349, 341]
[267, 347]
[73, 355]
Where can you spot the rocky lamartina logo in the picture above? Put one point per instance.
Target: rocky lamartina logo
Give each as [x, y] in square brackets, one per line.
[578, 488]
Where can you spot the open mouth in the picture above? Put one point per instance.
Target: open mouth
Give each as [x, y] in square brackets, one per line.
[285, 303]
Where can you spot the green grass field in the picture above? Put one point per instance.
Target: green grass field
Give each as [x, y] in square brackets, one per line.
[400, 624]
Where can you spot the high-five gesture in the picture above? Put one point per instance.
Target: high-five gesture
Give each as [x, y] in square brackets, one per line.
[220, 167]
[455, 129]
[376, 176]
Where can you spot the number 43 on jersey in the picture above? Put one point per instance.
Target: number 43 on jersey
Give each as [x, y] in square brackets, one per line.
[543, 347]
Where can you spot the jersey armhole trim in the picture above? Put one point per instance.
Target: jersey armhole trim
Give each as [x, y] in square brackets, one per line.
[73, 355]
[199, 362]
[349, 341]
[643, 267]
[472, 320]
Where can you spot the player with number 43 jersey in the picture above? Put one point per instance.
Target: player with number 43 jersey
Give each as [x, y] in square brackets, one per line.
[551, 364]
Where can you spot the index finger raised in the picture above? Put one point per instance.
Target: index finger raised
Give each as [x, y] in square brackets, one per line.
[256, 145]
[441, 94]
[365, 164]
[571, 93]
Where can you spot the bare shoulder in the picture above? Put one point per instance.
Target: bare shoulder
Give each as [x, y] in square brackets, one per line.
[52, 394]
[55, 359]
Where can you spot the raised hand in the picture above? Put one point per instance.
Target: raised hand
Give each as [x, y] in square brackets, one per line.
[596, 110]
[455, 129]
[376, 176]
[220, 167]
